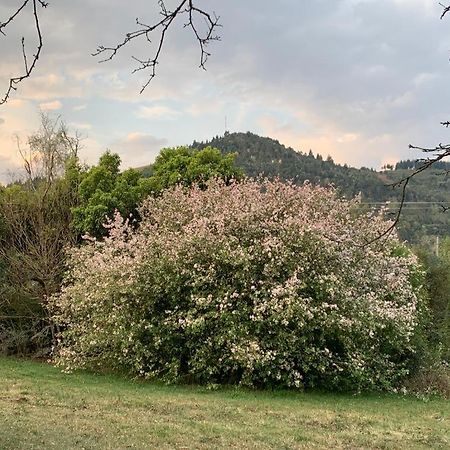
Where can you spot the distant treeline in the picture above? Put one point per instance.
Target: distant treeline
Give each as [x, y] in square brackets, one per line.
[411, 164]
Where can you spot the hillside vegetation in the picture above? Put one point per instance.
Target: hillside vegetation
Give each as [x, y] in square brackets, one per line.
[262, 155]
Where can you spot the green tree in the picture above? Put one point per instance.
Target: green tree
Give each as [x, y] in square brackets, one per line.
[103, 190]
[188, 166]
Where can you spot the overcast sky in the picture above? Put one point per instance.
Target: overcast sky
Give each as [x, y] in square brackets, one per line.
[355, 79]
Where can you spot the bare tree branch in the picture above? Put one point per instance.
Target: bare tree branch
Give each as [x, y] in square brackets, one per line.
[14, 81]
[144, 32]
[445, 10]
[440, 152]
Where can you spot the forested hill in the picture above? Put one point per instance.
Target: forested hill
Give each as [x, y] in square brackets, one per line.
[423, 214]
[265, 156]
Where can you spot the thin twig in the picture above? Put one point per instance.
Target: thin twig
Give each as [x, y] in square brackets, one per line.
[144, 31]
[445, 10]
[441, 152]
[5, 24]
[14, 81]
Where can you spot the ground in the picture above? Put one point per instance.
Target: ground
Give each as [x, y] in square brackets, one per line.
[42, 408]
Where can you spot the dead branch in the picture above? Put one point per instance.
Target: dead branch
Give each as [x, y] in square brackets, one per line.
[144, 33]
[29, 67]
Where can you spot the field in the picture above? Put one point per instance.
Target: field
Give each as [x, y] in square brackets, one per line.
[42, 408]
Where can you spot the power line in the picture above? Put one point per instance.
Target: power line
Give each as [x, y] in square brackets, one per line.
[388, 203]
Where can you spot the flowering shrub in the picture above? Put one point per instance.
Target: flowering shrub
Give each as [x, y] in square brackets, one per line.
[257, 283]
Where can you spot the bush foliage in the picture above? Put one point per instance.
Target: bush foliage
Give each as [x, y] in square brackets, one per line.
[258, 283]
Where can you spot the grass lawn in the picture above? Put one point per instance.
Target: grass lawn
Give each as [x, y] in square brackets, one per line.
[41, 408]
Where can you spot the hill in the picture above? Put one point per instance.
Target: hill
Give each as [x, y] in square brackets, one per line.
[262, 155]
[265, 156]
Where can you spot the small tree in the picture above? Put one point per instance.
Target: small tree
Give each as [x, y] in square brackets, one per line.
[35, 227]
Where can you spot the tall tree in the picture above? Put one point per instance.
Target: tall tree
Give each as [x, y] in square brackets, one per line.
[104, 189]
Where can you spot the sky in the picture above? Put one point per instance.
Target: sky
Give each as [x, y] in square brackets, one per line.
[358, 80]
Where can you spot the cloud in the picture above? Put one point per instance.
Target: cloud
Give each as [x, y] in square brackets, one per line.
[91, 149]
[80, 126]
[337, 63]
[50, 106]
[344, 147]
[157, 112]
[138, 149]
[15, 103]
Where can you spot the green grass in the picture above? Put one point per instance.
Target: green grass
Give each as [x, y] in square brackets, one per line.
[42, 408]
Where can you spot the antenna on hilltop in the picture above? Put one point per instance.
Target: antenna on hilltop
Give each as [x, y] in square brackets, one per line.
[226, 130]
